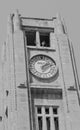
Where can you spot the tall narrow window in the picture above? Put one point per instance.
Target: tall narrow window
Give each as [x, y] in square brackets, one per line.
[46, 110]
[40, 123]
[56, 123]
[31, 38]
[44, 39]
[6, 112]
[55, 111]
[39, 110]
[48, 123]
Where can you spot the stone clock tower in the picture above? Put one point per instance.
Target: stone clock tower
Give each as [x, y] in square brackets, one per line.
[40, 86]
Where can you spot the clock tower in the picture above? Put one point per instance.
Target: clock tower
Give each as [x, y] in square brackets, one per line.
[40, 81]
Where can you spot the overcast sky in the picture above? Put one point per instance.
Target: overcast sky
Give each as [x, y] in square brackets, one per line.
[69, 9]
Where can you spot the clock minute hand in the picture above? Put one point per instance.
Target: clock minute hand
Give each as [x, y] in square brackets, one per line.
[45, 66]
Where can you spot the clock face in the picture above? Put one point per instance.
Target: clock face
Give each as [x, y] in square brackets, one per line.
[42, 66]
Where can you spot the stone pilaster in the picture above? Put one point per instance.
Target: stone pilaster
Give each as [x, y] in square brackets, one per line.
[17, 22]
[58, 25]
[37, 39]
[22, 106]
[10, 83]
[52, 40]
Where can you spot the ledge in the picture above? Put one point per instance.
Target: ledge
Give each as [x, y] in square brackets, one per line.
[54, 86]
[71, 88]
[40, 48]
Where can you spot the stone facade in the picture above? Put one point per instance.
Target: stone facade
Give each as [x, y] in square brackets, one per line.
[40, 85]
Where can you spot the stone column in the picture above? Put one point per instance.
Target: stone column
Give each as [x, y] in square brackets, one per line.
[37, 39]
[52, 40]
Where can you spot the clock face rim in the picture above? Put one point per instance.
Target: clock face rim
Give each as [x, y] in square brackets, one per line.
[46, 57]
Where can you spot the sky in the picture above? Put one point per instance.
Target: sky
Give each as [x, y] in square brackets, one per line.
[69, 10]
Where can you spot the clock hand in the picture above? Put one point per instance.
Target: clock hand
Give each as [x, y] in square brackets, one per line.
[45, 66]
